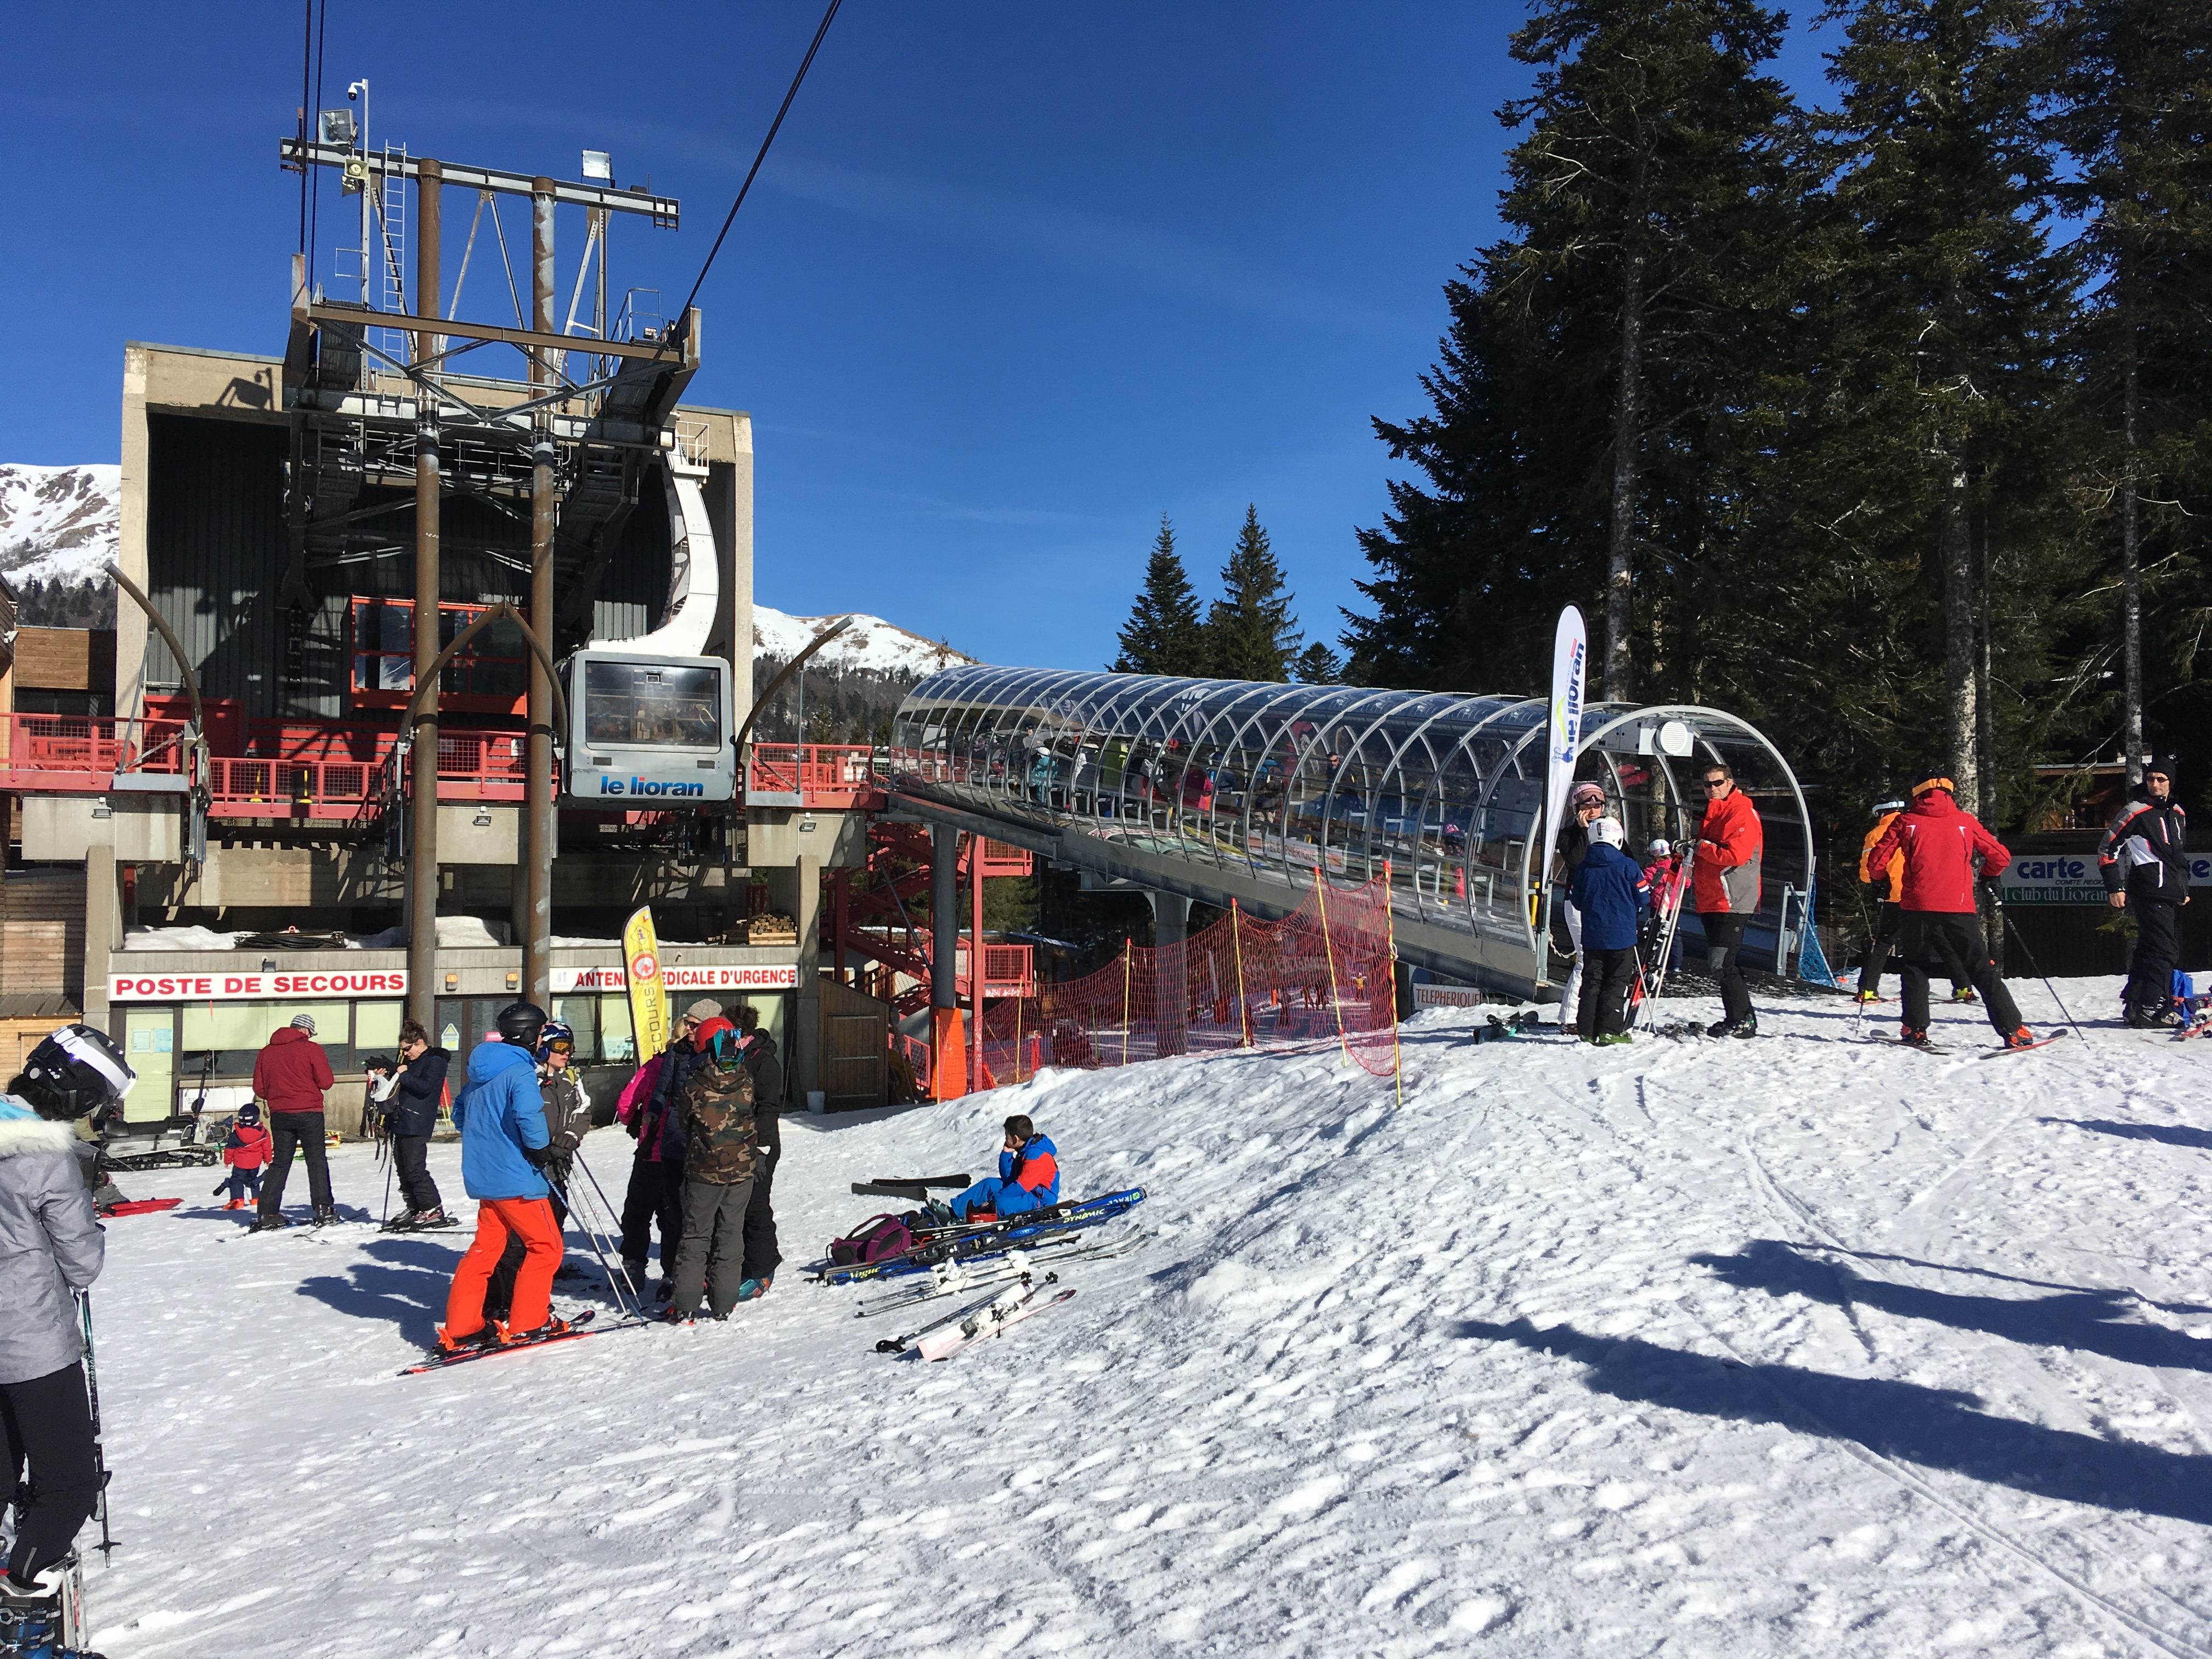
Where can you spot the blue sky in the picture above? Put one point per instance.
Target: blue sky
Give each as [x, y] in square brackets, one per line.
[1015, 280]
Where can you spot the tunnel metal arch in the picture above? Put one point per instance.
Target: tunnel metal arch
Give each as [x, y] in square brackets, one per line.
[1267, 783]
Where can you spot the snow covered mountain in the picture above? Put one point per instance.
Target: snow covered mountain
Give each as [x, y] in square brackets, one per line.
[871, 646]
[58, 523]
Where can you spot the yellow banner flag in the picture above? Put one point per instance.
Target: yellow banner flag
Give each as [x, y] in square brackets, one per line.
[649, 1003]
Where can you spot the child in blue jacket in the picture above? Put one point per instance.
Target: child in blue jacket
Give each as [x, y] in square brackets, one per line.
[1610, 890]
[1028, 1177]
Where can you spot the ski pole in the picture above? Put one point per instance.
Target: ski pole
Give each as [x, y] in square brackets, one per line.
[607, 1213]
[92, 1399]
[2039, 974]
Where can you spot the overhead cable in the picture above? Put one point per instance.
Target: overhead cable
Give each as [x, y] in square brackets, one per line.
[805, 64]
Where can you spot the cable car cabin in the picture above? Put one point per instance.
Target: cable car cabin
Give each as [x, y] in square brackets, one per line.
[648, 729]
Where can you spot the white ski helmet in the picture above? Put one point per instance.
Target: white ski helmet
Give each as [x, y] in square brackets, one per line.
[1609, 831]
[78, 1070]
[1661, 847]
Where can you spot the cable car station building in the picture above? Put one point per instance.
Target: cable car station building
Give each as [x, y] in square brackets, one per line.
[307, 539]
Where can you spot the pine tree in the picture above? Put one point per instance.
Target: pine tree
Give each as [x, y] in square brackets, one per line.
[2128, 80]
[1250, 634]
[1944, 374]
[1605, 382]
[1317, 666]
[1164, 634]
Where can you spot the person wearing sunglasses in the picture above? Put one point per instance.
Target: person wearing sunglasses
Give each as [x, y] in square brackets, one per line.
[1725, 885]
[1585, 806]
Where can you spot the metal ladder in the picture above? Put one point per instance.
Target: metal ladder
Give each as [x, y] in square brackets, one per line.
[390, 253]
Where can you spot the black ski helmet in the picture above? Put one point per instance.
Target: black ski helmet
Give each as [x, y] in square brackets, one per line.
[75, 1072]
[521, 1022]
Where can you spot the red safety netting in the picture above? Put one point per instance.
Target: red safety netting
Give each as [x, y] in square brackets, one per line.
[1321, 975]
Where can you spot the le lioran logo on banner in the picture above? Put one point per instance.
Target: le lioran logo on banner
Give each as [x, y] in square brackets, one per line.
[648, 1002]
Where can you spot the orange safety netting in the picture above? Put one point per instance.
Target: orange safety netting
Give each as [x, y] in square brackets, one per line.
[1321, 975]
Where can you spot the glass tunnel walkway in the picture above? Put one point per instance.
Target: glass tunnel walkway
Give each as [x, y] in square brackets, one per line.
[1224, 789]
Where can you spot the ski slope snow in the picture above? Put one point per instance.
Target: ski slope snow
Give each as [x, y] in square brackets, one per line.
[1808, 1345]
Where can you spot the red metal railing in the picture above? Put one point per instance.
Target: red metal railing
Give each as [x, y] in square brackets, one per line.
[831, 776]
[336, 770]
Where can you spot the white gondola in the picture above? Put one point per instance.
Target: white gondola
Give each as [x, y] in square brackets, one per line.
[650, 720]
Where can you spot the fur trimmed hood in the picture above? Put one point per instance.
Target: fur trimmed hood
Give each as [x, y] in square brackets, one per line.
[22, 1130]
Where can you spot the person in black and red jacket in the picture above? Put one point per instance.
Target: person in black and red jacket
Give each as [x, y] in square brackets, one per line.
[1941, 844]
[2145, 864]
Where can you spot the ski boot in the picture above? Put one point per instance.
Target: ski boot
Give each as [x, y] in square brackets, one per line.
[484, 1336]
[273, 1223]
[753, 1289]
[36, 1618]
[554, 1326]
[1964, 993]
[2023, 1038]
[1613, 1039]
[1866, 997]
[325, 1214]
[235, 1204]
[1915, 1037]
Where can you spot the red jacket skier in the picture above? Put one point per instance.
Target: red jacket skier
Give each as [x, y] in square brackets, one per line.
[1724, 885]
[1941, 844]
[245, 1149]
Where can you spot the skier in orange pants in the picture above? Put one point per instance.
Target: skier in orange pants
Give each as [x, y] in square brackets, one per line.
[530, 1220]
[504, 1146]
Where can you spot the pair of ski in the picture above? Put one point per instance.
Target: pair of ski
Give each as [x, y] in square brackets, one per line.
[955, 1277]
[979, 1321]
[1985, 1053]
[975, 1240]
[579, 1327]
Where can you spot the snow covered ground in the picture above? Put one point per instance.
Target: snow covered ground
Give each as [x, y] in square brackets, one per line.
[1804, 1346]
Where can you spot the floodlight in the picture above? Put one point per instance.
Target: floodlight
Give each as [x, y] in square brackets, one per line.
[599, 164]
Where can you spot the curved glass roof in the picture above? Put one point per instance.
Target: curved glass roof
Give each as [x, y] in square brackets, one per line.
[1275, 781]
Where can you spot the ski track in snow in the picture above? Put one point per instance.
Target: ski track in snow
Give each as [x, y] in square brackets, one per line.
[1805, 1345]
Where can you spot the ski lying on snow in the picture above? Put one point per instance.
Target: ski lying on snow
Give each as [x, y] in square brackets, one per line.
[579, 1327]
[2023, 1048]
[985, 1325]
[952, 1279]
[140, 1206]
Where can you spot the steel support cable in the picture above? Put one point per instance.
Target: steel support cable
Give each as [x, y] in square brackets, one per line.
[774, 127]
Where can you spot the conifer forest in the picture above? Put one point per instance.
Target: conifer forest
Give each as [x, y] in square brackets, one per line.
[1883, 421]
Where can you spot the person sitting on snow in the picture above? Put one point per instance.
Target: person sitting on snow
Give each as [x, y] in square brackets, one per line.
[1610, 891]
[245, 1149]
[1028, 1177]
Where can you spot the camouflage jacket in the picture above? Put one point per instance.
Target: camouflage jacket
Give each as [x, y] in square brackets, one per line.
[718, 1119]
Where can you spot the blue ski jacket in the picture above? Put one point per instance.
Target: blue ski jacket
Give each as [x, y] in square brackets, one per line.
[499, 1113]
[1611, 892]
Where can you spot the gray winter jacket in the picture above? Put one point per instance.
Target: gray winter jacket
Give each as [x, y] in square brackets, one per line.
[50, 1243]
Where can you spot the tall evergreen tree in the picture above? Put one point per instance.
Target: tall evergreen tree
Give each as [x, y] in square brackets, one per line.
[2130, 82]
[1164, 634]
[1250, 634]
[1953, 306]
[1604, 362]
[1640, 186]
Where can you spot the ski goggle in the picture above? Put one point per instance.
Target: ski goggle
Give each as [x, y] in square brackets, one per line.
[560, 1046]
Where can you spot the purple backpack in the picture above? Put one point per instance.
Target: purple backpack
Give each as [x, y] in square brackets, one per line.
[878, 1236]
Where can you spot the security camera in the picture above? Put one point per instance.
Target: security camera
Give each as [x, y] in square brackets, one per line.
[353, 92]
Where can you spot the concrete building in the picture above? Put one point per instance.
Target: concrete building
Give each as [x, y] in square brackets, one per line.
[289, 590]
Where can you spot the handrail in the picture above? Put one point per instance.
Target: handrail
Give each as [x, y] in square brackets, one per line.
[169, 638]
[428, 680]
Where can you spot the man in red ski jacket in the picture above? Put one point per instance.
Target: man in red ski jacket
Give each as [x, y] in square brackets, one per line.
[1940, 844]
[291, 1074]
[1724, 885]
